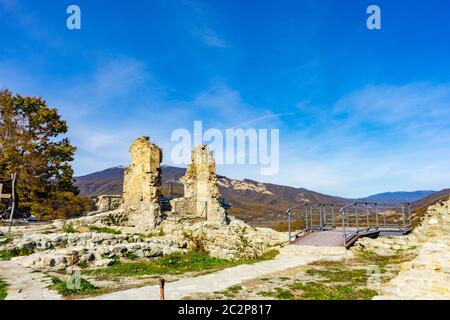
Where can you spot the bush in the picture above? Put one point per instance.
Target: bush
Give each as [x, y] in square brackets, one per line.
[196, 243]
[68, 228]
[59, 205]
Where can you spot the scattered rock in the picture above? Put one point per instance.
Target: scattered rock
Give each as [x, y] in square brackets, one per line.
[104, 263]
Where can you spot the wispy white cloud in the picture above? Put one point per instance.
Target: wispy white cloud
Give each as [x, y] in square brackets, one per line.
[378, 138]
[119, 76]
[210, 38]
[395, 104]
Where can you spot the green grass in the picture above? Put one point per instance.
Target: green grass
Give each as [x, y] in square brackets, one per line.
[6, 241]
[354, 276]
[69, 228]
[104, 230]
[231, 291]
[131, 256]
[9, 254]
[268, 255]
[278, 293]
[329, 263]
[319, 291]
[369, 257]
[340, 280]
[3, 292]
[175, 263]
[234, 289]
[86, 288]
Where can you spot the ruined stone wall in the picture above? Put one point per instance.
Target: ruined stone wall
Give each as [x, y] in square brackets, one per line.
[142, 184]
[108, 202]
[201, 189]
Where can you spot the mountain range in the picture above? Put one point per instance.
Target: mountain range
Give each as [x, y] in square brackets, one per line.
[255, 202]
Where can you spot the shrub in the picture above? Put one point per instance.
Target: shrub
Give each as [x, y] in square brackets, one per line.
[68, 228]
[196, 242]
[59, 205]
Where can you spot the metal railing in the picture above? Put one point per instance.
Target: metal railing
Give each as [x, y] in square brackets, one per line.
[367, 217]
[354, 219]
[315, 216]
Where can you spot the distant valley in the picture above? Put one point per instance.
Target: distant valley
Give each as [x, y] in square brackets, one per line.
[254, 202]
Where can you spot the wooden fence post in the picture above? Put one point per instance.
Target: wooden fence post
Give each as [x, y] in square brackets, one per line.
[162, 282]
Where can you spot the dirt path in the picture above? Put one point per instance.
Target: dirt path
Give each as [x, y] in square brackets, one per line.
[24, 284]
[290, 257]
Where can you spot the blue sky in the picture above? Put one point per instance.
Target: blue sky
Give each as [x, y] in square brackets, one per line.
[359, 111]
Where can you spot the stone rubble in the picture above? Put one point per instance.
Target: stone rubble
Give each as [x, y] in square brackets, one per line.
[61, 250]
[234, 241]
[427, 276]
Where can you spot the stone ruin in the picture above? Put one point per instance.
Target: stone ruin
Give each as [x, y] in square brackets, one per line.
[142, 184]
[144, 231]
[141, 199]
[108, 202]
[201, 190]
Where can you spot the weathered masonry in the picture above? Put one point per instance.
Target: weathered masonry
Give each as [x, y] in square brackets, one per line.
[142, 184]
[201, 190]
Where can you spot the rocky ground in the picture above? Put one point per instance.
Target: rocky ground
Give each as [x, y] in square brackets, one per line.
[98, 244]
[118, 262]
[186, 288]
[427, 276]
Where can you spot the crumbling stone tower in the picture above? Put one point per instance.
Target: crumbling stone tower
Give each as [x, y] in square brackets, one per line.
[201, 190]
[142, 184]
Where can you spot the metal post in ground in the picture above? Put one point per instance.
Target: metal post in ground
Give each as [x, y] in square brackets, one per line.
[343, 213]
[376, 216]
[403, 217]
[410, 215]
[367, 216]
[306, 219]
[332, 215]
[320, 216]
[289, 224]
